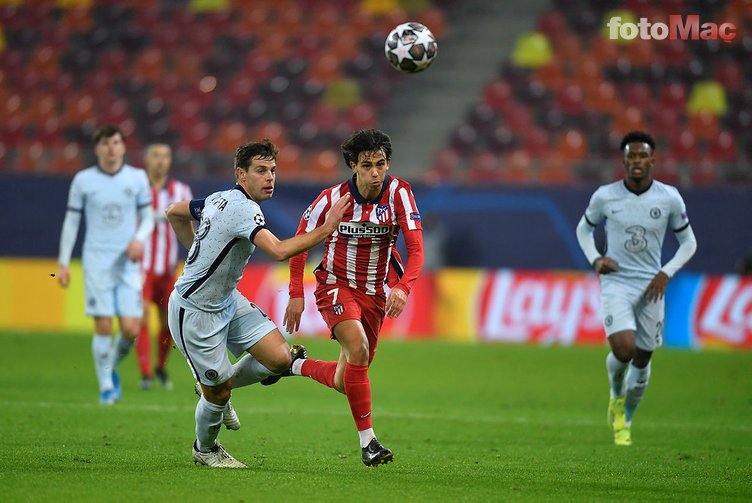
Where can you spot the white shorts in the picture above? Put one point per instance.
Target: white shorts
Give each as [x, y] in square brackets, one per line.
[204, 337]
[114, 292]
[624, 308]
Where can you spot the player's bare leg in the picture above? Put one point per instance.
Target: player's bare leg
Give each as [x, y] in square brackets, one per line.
[617, 362]
[101, 347]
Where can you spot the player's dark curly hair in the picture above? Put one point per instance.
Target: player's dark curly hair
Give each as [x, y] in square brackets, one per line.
[637, 137]
[263, 149]
[366, 140]
[106, 132]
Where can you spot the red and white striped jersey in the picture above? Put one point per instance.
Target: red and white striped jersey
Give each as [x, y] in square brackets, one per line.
[161, 249]
[358, 254]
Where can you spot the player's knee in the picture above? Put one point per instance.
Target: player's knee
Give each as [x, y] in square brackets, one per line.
[624, 353]
[359, 354]
[220, 394]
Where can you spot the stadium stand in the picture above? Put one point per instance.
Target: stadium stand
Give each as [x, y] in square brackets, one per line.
[204, 76]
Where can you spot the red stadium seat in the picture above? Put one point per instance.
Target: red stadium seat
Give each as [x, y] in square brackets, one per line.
[498, 94]
[723, 148]
[703, 125]
[484, 168]
[516, 168]
[627, 120]
[637, 94]
[674, 96]
[684, 148]
[535, 141]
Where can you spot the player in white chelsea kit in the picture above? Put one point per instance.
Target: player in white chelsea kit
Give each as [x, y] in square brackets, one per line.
[636, 212]
[207, 315]
[116, 200]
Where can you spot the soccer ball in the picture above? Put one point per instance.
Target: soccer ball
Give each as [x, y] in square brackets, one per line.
[410, 47]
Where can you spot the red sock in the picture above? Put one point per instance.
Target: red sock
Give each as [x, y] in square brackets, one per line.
[358, 391]
[320, 371]
[163, 347]
[143, 351]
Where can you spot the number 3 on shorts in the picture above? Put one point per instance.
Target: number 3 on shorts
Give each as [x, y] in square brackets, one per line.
[334, 292]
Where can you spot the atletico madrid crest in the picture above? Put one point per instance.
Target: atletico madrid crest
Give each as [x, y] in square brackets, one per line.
[382, 213]
[338, 309]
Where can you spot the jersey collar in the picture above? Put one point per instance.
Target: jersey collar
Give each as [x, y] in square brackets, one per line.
[241, 189]
[637, 193]
[360, 199]
[99, 168]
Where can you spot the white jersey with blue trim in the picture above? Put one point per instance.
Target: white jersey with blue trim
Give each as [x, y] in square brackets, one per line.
[636, 226]
[229, 221]
[110, 204]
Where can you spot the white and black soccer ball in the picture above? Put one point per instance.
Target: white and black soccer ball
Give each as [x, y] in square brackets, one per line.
[410, 47]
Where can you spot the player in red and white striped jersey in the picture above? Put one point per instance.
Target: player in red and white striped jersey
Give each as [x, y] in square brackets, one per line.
[159, 261]
[350, 293]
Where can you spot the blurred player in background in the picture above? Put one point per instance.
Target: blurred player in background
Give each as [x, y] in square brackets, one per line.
[116, 200]
[636, 212]
[208, 315]
[159, 262]
[350, 293]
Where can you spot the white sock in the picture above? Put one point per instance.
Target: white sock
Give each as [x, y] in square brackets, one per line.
[637, 382]
[101, 348]
[297, 365]
[248, 370]
[616, 370]
[366, 436]
[123, 346]
[208, 422]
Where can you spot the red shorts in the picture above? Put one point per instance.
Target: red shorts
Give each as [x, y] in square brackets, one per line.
[157, 289]
[338, 303]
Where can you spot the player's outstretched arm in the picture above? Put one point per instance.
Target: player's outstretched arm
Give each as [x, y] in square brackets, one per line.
[282, 250]
[181, 220]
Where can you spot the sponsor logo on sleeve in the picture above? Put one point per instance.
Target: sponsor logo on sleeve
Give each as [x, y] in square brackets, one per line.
[415, 216]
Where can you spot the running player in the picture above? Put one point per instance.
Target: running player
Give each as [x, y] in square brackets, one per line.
[350, 293]
[207, 315]
[636, 212]
[116, 200]
[159, 262]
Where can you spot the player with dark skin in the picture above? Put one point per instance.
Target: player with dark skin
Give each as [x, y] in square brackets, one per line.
[638, 163]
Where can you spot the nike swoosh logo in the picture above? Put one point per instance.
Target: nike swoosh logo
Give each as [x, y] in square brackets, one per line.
[615, 211]
[363, 417]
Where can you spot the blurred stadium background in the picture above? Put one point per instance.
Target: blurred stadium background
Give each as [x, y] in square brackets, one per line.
[504, 138]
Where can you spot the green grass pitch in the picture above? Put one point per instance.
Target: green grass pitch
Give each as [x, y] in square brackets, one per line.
[466, 423]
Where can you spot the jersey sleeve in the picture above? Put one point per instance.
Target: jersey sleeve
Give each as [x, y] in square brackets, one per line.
[409, 221]
[143, 197]
[196, 206]
[678, 219]
[594, 211]
[76, 195]
[408, 216]
[314, 216]
[253, 221]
